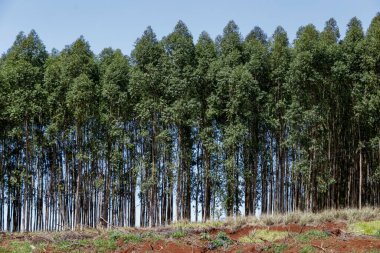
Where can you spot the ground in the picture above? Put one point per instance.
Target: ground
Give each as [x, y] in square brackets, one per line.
[343, 231]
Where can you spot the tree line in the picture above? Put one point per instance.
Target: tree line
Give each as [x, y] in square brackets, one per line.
[189, 131]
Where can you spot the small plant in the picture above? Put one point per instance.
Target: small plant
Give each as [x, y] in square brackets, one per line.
[126, 237]
[367, 228]
[276, 248]
[63, 246]
[152, 236]
[260, 236]
[178, 234]
[221, 240]
[115, 235]
[205, 236]
[307, 249]
[131, 238]
[104, 245]
[310, 235]
[17, 247]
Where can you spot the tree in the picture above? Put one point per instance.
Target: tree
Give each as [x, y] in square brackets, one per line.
[115, 110]
[182, 108]
[148, 89]
[205, 52]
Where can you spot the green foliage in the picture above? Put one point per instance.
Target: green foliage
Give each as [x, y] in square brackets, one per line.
[260, 236]
[308, 249]
[205, 236]
[178, 234]
[17, 247]
[366, 227]
[104, 245]
[221, 240]
[276, 248]
[126, 237]
[310, 235]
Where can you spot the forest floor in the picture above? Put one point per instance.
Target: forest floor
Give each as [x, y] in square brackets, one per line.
[334, 231]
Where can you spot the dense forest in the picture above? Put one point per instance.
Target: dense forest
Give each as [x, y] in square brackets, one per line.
[189, 130]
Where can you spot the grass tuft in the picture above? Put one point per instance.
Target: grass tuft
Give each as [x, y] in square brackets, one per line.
[311, 235]
[259, 236]
[17, 247]
[308, 249]
[366, 228]
[221, 240]
[178, 234]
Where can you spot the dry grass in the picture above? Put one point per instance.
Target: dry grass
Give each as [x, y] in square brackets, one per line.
[263, 235]
[302, 218]
[306, 218]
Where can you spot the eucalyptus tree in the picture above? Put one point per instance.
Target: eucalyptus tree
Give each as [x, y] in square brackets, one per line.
[182, 108]
[366, 95]
[22, 73]
[331, 97]
[147, 87]
[256, 58]
[279, 61]
[230, 105]
[205, 51]
[115, 114]
[80, 78]
[304, 112]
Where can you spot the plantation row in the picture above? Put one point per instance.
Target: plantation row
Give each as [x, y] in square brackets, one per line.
[219, 127]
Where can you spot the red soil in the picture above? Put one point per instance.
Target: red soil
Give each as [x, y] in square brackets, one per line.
[337, 241]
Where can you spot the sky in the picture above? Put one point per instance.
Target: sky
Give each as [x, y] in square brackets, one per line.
[118, 23]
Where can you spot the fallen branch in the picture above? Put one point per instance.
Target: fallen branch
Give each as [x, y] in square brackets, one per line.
[319, 247]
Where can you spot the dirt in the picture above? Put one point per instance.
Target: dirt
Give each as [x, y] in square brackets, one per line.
[338, 240]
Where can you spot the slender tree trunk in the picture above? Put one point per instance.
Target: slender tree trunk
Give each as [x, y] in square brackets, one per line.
[78, 206]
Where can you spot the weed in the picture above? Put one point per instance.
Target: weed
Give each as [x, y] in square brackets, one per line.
[310, 235]
[276, 248]
[104, 245]
[205, 236]
[260, 236]
[221, 240]
[178, 234]
[308, 249]
[17, 247]
[367, 228]
[126, 237]
[152, 236]
[63, 246]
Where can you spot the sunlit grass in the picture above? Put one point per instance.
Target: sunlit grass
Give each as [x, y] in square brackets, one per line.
[311, 235]
[17, 247]
[259, 236]
[366, 228]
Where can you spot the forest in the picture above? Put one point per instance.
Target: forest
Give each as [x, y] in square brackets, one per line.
[189, 130]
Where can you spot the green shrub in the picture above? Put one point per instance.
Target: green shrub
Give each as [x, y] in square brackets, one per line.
[221, 240]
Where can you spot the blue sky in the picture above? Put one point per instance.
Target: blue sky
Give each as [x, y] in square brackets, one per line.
[118, 23]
